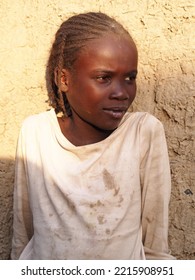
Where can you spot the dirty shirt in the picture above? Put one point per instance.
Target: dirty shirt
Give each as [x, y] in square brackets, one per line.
[107, 200]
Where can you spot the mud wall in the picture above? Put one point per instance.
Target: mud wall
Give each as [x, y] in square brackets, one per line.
[164, 32]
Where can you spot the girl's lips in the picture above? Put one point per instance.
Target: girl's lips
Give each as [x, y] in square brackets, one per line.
[116, 113]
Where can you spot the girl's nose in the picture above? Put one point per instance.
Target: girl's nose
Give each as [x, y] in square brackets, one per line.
[119, 92]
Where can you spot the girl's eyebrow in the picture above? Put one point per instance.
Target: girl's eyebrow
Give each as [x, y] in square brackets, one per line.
[102, 70]
[134, 72]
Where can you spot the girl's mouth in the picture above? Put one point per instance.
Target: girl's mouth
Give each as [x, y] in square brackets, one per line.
[115, 112]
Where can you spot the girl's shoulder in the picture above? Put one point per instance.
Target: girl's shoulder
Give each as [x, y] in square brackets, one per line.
[38, 119]
[37, 123]
[143, 124]
[141, 119]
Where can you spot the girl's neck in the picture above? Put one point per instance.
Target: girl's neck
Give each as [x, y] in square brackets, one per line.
[79, 133]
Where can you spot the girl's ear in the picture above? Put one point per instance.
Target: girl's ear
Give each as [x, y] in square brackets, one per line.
[64, 80]
[61, 79]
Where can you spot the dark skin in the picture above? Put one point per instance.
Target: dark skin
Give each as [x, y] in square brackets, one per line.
[100, 89]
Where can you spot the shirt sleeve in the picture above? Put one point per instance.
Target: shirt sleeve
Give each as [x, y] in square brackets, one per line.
[22, 222]
[156, 189]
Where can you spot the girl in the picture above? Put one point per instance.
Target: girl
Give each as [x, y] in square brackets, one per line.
[92, 180]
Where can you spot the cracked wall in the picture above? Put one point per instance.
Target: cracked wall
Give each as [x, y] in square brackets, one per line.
[164, 32]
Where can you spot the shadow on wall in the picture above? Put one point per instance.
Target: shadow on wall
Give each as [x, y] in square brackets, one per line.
[6, 202]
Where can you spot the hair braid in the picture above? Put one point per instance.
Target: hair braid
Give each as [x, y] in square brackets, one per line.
[70, 38]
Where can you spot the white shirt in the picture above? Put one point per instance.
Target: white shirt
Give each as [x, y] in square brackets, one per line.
[107, 200]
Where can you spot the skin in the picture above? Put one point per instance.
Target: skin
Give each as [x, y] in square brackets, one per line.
[100, 89]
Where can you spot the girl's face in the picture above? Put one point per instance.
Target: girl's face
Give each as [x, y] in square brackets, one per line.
[102, 85]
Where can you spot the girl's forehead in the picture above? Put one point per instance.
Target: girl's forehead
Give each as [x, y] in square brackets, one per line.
[112, 42]
[112, 37]
[108, 52]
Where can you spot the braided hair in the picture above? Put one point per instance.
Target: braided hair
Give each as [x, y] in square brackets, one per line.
[70, 38]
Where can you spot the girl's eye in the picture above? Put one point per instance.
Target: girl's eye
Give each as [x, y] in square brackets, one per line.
[130, 78]
[103, 79]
